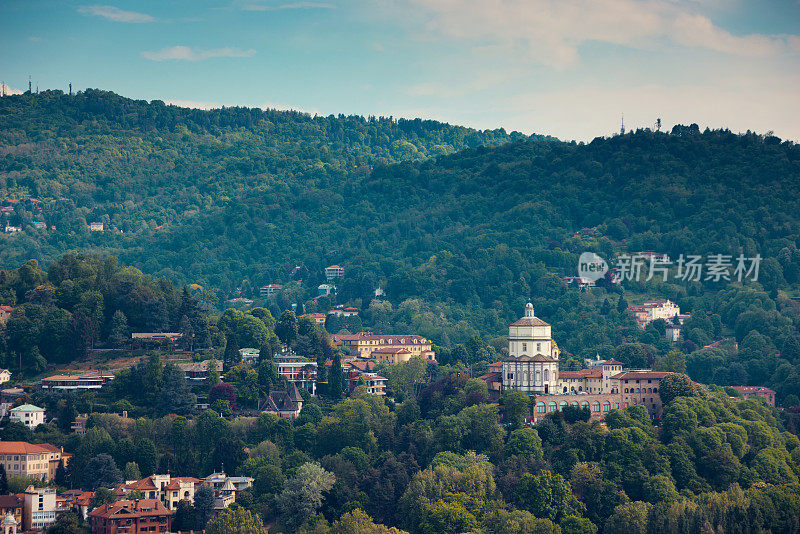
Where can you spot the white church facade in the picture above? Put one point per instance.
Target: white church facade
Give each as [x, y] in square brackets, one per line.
[532, 367]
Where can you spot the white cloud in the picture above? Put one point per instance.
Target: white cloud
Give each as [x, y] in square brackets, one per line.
[186, 53]
[4, 88]
[290, 5]
[551, 32]
[116, 14]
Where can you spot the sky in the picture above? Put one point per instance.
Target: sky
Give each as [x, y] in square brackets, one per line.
[567, 68]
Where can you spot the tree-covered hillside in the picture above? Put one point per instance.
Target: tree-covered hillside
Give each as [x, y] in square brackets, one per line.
[238, 198]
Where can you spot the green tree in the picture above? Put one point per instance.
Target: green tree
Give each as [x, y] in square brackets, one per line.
[516, 406]
[302, 494]
[335, 378]
[286, 329]
[101, 471]
[547, 495]
[235, 520]
[131, 471]
[675, 385]
[204, 505]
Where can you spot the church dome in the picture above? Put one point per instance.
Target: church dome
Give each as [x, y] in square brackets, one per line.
[9, 520]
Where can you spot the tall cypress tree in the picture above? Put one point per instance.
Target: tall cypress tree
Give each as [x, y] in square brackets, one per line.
[232, 356]
[335, 376]
[4, 480]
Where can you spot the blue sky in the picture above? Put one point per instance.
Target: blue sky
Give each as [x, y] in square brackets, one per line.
[567, 68]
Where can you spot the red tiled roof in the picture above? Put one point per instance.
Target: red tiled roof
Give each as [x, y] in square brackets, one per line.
[10, 501]
[391, 350]
[22, 447]
[490, 377]
[583, 373]
[125, 508]
[640, 375]
[143, 484]
[612, 362]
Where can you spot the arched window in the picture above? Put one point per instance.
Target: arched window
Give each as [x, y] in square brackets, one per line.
[551, 406]
[595, 406]
[565, 389]
[574, 403]
[539, 407]
[607, 406]
[580, 388]
[562, 405]
[584, 404]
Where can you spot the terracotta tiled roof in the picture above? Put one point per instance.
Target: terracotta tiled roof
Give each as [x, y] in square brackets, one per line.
[143, 484]
[640, 375]
[22, 447]
[583, 373]
[490, 377]
[612, 362]
[10, 501]
[125, 508]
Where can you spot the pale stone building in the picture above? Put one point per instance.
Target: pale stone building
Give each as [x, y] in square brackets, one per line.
[532, 362]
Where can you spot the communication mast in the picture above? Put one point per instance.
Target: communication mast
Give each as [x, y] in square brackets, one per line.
[70, 89]
[622, 126]
[658, 124]
[30, 87]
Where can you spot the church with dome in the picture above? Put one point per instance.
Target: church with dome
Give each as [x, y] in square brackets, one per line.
[532, 367]
[532, 362]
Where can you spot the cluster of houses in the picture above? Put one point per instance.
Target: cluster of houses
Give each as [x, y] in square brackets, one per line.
[145, 505]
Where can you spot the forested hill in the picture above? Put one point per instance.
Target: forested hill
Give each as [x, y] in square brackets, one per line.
[239, 197]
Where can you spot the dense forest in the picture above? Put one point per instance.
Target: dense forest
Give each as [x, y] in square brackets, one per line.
[445, 461]
[458, 234]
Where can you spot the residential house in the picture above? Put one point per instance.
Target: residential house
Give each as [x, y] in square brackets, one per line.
[297, 370]
[249, 355]
[364, 344]
[5, 313]
[39, 508]
[40, 225]
[27, 414]
[83, 381]
[96, 227]
[270, 289]
[333, 271]
[13, 229]
[325, 290]
[673, 332]
[36, 461]
[750, 392]
[285, 404]
[5, 376]
[318, 318]
[8, 397]
[652, 310]
[344, 312]
[131, 517]
[198, 371]
[156, 337]
[375, 384]
[79, 424]
[168, 489]
[226, 488]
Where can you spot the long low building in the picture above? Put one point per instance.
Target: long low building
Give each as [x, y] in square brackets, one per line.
[364, 344]
[87, 380]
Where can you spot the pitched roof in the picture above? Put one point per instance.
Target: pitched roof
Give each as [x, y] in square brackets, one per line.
[612, 362]
[126, 508]
[143, 484]
[529, 321]
[10, 501]
[583, 373]
[27, 408]
[640, 375]
[22, 447]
